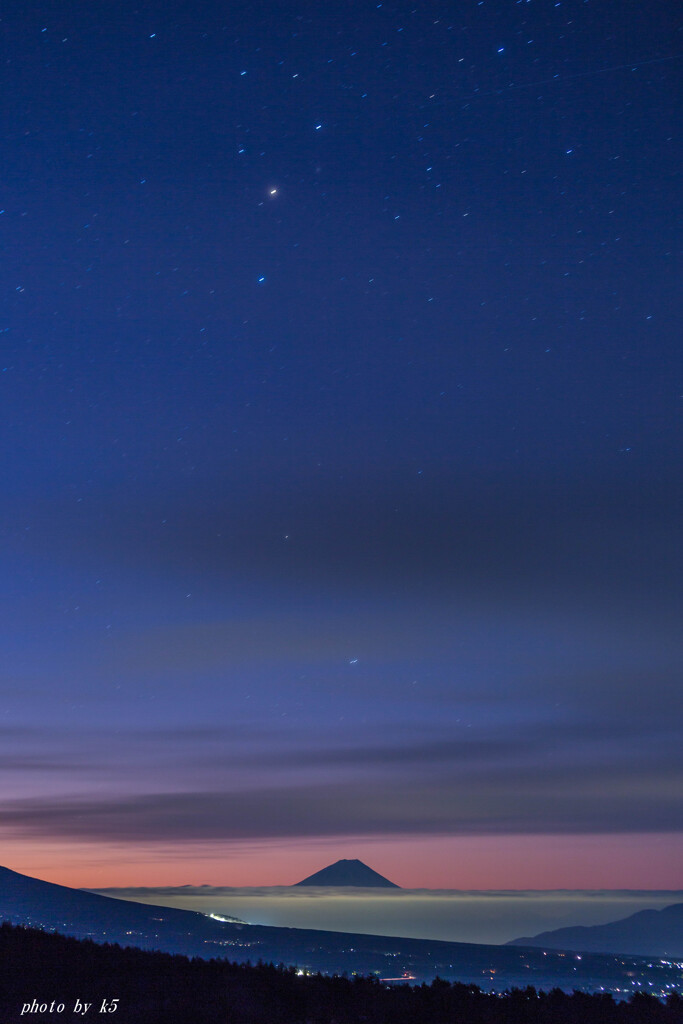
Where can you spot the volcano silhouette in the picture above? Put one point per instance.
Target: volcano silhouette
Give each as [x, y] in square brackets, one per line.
[349, 872]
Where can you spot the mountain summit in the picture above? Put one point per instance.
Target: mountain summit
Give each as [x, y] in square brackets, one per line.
[349, 872]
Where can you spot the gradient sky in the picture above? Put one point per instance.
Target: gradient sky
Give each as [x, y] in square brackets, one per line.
[340, 351]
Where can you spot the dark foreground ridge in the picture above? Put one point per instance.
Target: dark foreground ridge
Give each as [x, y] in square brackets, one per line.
[646, 933]
[349, 872]
[31, 902]
[37, 969]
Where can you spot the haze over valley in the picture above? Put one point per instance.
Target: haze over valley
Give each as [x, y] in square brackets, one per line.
[39, 904]
[450, 915]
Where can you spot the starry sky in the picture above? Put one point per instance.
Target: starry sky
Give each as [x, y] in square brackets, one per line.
[340, 371]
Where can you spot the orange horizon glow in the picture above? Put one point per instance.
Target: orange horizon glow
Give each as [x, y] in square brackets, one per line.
[631, 861]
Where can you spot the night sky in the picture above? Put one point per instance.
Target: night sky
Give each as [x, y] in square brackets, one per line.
[340, 351]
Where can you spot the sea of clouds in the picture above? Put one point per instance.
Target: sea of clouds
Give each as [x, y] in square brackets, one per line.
[483, 916]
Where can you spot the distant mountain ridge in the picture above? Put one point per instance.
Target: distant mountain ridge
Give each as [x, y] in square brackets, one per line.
[349, 872]
[646, 933]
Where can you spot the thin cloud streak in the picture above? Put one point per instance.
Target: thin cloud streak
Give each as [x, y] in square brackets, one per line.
[551, 801]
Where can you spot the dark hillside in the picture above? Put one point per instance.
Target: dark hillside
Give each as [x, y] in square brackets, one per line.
[157, 988]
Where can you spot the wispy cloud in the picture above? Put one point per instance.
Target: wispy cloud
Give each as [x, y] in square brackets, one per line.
[521, 801]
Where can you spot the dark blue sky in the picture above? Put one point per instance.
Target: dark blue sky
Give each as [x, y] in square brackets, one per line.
[340, 378]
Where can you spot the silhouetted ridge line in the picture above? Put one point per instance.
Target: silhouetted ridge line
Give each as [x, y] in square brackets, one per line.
[646, 933]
